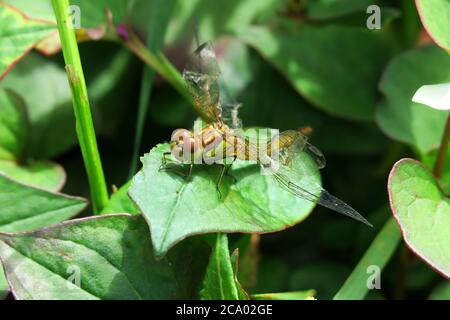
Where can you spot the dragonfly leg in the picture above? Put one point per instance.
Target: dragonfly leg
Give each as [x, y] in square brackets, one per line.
[164, 160]
[174, 170]
[165, 168]
[227, 170]
[219, 180]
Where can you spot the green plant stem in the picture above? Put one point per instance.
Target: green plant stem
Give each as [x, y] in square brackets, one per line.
[160, 13]
[84, 124]
[443, 149]
[160, 64]
[378, 254]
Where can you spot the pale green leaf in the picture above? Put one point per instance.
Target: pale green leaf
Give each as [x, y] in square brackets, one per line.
[106, 257]
[13, 126]
[41, 174]
[317, 62]
[27, 208]
[435, 16]
[219, 282]
[423, 212]
[18, 35]
[176, 208]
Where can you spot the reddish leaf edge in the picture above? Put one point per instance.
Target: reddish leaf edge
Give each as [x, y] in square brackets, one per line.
[65, 223]
[26, 52]
[422, 20]
[394, 214]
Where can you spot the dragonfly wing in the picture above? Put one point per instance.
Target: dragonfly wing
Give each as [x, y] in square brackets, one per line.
[315, 193]
[202, 77]
[292, 142]
[230, 115]
[317, 155]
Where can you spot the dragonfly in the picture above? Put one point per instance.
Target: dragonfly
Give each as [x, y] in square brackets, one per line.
[221, 138]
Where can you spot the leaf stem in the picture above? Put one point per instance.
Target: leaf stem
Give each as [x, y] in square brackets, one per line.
[84, 124]
[160, 13]
[374, 260]
[162, 65]
[443, 149]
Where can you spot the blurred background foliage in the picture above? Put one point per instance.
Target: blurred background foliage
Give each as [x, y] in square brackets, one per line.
[291, 63]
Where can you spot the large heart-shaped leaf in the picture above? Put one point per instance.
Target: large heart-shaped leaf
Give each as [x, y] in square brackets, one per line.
[176, 208]
[41, 174]
[267, 88]
[423, 212]
[27, 208]
[397, 115]
[317, 61]
[18, 35]
[13, 126]
[436, 20]
[48, 103]
[107, 257]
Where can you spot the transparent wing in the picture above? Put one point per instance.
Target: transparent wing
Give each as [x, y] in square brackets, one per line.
[230, 115]
[288, 176]
[317, 194]
[201, 75]
[291, 142]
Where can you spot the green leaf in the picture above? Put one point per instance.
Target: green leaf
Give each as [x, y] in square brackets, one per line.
[13, 126]
[441, 292]
[430, 159]
[176, 208]
[328, 9]
[242, 294]
[48, 103]
[219, 282]
[41, 174]
[207, 16]
[4, 287]
[399, 117]
[94, 14]
[27, 208]
[41, 10]
[295, 295]
[121, 202]
[112, 254]
[436, 20]
[309, 55]
[18, 35]
[378, 254]
[267, 88]
[423, 212]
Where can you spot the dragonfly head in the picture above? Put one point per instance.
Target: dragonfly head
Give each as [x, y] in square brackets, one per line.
[183, 145]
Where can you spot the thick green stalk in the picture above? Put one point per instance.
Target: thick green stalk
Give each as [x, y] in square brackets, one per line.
[378, 254]
[84, 124]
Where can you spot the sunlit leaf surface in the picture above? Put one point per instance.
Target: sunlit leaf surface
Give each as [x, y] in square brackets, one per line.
[176, 208]
[436, 20]
[423, 212]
